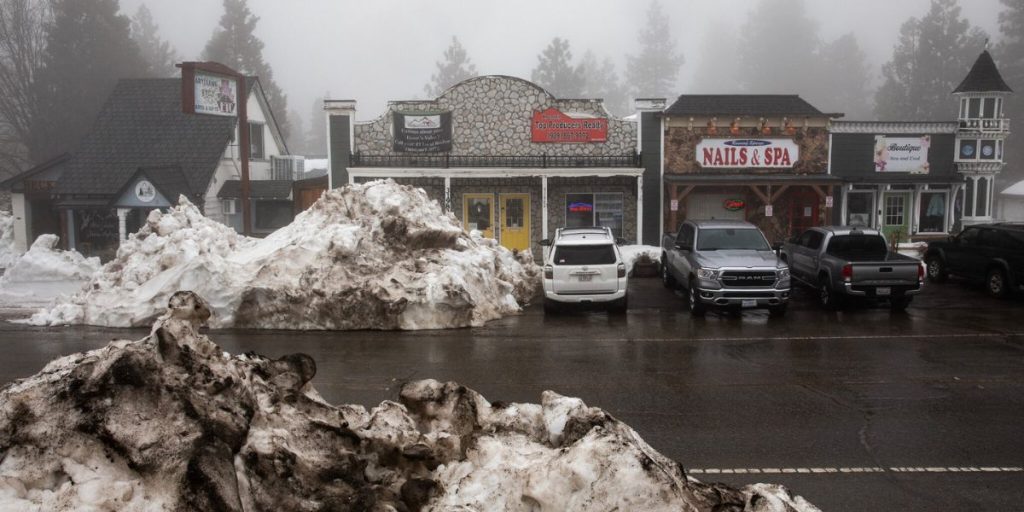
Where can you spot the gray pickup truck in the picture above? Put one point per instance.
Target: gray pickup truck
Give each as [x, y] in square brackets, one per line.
[724, 263]
[845, 262]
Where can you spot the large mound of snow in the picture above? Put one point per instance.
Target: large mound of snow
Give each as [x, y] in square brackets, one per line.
[170, 422]
[8, 254]
[632, 254]
[373, 256]
[45, 262]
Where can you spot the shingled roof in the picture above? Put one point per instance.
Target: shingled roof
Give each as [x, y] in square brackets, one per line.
[983, 77]
[732, 105]
[258, 189]
[142, 126]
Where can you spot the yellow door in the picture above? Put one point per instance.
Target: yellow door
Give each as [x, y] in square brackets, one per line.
[515, 221]
[478, 213]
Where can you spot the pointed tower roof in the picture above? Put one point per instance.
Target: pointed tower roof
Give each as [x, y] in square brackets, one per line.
[983, 77]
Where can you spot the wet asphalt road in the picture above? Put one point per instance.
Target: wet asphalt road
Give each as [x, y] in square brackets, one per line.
[807, 400]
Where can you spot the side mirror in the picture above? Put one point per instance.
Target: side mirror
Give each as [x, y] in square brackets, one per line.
[620, 241]
[545, 242]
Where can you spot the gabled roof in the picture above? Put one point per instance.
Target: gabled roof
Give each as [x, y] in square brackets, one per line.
[56, 161]
[169, 180]
[983, 77]
[142, 125]
[733, 105]
[258, 189]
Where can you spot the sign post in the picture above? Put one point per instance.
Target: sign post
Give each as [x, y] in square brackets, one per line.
[211, 88]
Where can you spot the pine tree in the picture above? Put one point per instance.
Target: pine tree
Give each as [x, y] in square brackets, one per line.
[774, 60]
[1009, 56]
[601, 81]
[842, 79]
[89, 48]
[932, 56]
[235, 45]
[654, 71]
[159, 54]
[455, 68]
[555, 71]
[22, 54]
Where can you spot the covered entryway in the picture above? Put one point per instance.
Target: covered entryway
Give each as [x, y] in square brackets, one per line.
[515, 221]
[717, 206]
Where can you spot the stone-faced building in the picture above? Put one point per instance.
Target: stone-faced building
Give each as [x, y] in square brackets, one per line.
[759, 158]
[504, 155]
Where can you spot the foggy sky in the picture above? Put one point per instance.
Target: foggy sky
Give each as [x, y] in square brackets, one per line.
[380, 50]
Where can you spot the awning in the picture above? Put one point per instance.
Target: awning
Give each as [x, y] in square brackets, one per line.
[753, 179]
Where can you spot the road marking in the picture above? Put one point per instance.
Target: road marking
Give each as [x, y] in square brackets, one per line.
[870, 469]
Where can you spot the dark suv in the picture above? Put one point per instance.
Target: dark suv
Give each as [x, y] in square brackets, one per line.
[993, 252]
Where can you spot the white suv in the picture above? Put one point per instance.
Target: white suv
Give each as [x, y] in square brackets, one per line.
[584, 266]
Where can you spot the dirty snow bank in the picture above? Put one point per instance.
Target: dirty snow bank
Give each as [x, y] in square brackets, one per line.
[171, 422]
[8, 255]
[372, 256]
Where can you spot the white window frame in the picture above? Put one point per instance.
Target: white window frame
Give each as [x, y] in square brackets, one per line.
[902, 196]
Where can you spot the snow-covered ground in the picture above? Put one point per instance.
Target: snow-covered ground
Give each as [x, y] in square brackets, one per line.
[44, 273]
[373, 256]
[8, 254]
[171, 422]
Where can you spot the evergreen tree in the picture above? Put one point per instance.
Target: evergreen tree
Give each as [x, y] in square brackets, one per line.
[654, 71]
[932, 56]
[89, 48]
[159, 54]
[775, 60]
[455, 68]
[555, 71]
[235, 45]
[601, 81]
[1009, 56]
[843, 80]
[317, 135]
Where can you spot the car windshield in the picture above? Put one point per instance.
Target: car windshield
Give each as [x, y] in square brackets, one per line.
[858, 246]
[731, 239]
[603, 254]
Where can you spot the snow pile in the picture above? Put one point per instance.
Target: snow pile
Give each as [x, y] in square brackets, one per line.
[912, 249]
[372, 256]
[8, 254]
[632, 254]
[170, 422]
[45, 262]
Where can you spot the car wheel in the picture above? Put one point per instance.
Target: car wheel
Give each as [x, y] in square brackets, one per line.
[777, 311]
[550, 307]
[697, 308]
[997, 284]
[900, 304]
[937, 271]
[827, 297]
[666, 276]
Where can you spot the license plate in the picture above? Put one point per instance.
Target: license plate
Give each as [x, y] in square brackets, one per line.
[585, 278]
[883, 291]
[750, 303]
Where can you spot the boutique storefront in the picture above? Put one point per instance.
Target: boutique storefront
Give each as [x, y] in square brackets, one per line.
[503, 155]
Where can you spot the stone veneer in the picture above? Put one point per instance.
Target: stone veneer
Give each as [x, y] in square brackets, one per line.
[491, 115]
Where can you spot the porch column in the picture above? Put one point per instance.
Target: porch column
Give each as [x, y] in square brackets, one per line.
[447, 194]
[543, 206]
[72, 243]
[122, 224]
[640, 207]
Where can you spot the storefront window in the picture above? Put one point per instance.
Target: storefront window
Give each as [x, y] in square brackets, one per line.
[894, 210]
[584, 210]
[933, 212]
[859, 208]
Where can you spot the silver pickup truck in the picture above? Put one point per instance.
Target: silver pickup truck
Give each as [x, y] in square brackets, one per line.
[844, 262]
[724, 263]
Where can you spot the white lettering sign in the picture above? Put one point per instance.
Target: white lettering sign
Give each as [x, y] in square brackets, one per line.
[747, 153]
[768, 210]
[902, 154]
[216, 95]
[674, 205]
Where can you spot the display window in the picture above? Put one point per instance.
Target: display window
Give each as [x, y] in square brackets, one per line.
[595, 209]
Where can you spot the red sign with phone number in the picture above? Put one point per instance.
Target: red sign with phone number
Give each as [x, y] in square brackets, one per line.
[552, 125]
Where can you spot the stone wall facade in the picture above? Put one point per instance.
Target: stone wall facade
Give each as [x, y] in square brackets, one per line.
[491, 115]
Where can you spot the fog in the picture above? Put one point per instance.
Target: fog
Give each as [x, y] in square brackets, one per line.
[385, 50]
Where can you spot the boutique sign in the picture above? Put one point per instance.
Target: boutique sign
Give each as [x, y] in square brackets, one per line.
[552, 125]
[747, 153]
[902, 154]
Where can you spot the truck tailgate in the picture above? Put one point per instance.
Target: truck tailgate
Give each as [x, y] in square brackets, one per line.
[885, 274]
